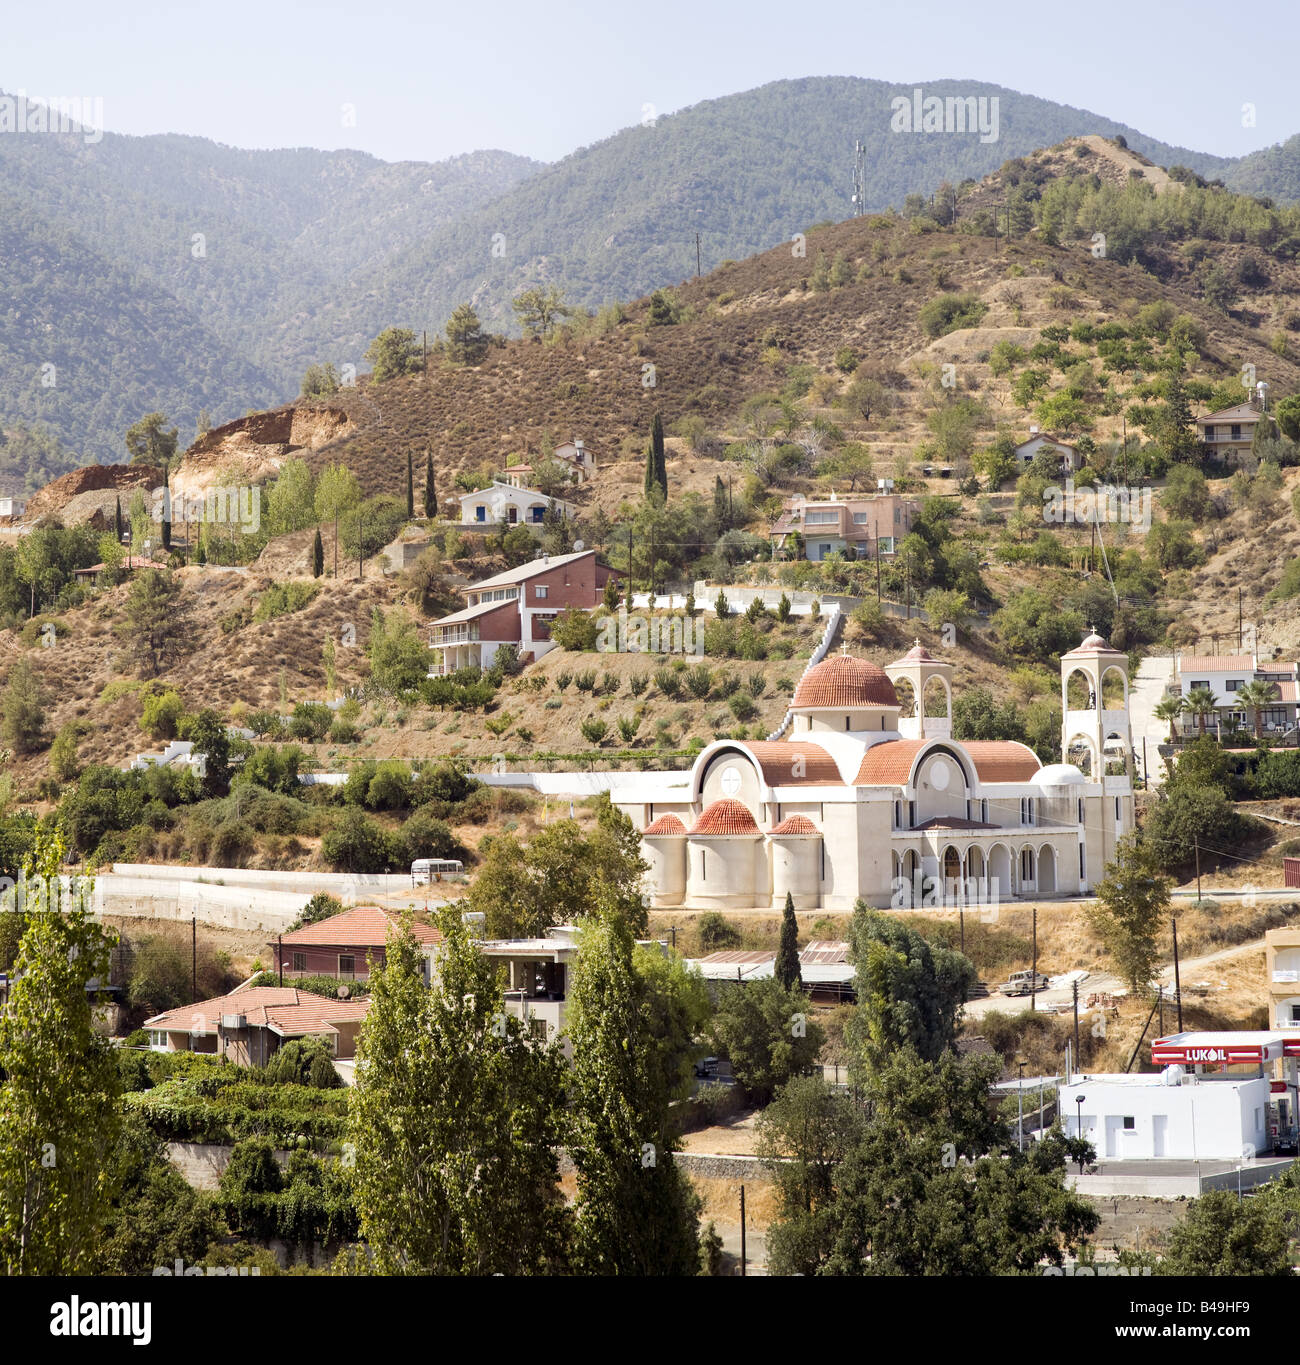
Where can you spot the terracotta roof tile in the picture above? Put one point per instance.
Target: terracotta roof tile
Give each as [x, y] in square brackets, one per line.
[796, 824]
[364, 926]
[665, 824]
[726, 817]
[996, 760]
[795, 763]
[845, 681]
[287, 1009]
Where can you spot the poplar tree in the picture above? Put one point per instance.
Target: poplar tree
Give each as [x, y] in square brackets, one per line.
[636, 1213]
[59, 1115]
[453, 1124]
[787, 954]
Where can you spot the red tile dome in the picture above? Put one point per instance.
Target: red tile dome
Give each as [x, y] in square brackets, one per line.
[665, 824]
[796, 824]
[727, 816]
[843, 681]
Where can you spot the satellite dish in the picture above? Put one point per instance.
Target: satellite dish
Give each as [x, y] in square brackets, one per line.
[578, 545]
[344, 992]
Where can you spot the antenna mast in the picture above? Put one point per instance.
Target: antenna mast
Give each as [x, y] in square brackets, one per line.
[859, 178]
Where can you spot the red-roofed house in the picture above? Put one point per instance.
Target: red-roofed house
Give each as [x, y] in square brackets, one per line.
[250, 1025]
[516, 608]
[871, 797]
[347, 945]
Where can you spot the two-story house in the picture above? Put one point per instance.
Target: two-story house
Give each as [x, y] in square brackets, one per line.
[1230, 432]
[869, 525]
[1223, 676]
[580, 462]
[516, 608]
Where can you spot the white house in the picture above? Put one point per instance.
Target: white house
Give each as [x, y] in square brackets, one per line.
[506, 504]
[1071, 460]
[870, 796]
[580, 461]
[12, 507]
[1224, 675]
[1170, 1115]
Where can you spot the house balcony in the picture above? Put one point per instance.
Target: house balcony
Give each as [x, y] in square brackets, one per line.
[545, 1014]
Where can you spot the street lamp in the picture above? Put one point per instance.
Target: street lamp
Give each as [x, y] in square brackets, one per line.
[1020, 1105]
[1078, 1121]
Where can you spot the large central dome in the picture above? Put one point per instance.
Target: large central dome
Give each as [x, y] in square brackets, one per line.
[844, 683]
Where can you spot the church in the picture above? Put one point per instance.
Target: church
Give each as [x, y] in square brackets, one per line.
[864, 793]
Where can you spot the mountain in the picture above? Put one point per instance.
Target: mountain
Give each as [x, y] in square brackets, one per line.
[1273, 172]
[179, 253]
[618, 219]
[209, 277]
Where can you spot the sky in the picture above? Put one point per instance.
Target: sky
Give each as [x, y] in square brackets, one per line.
[419, 80]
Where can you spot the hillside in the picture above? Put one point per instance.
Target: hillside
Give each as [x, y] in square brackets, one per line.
[208, 277]
[756, 384]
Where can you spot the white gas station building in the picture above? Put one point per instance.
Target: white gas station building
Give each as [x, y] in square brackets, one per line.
[1186, 1112]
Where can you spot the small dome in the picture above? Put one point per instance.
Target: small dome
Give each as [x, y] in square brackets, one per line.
[843, 681]
[918, 654]
[727, 816]
[795, 824]
[1058, 775]
[665, 824]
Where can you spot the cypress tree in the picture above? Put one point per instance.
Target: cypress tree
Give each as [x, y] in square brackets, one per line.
[317, 556]
[118, 528]
[167, 516]
[650, 476]
[720, 503]
[430, 496]
[410, 487]
[660, 459]
[787, 954]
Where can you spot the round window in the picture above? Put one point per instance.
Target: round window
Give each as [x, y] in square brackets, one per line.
[940, 776]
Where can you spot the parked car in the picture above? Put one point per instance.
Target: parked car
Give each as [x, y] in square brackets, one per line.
[1023, 983]
[707, 1068]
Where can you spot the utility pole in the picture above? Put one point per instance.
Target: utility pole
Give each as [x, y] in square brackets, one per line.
[1196, 843]
[1033, 980]
[877, 568]
[742, 1230]
[336, 546]
[697, 255]
[194, 959]
[1076, 1021]
[279, 940]
[424, 349]
[1178, 987]
[1239, 633]
[361, 547]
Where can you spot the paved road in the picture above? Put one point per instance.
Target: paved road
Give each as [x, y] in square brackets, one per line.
[1144, 695]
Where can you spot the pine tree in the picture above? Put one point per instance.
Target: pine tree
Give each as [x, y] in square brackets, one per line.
[410, 487]
[787, 954]
[317, 556]
[430, 496]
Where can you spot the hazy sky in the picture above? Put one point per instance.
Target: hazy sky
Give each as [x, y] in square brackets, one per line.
[426, 81]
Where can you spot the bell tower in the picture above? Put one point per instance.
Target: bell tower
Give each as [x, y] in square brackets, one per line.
[918, 667]
[1099, 721]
